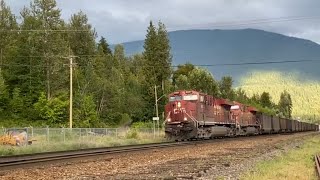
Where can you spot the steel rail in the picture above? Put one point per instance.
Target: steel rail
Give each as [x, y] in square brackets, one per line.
[317, 160]
[25, 161]
[30, 160]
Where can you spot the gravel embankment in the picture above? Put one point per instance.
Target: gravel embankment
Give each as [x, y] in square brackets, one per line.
[227, 159]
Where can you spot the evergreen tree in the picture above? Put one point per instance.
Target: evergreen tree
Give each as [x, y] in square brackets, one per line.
[265, 100]
[8, 39]
[4, 95]
[164, 56]
[150, 55]
[285, 104]
[40, 51]
[119, 56]
[255, 99]
[241, 96]
[104, 46]
[157, 64]
[225, 87]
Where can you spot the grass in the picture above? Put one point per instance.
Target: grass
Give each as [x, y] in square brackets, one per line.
[74, 142]
[296, 164]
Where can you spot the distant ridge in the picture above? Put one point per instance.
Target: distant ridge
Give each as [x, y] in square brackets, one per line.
[240, 46]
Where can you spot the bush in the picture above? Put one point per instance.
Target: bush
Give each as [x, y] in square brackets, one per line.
[132, 134]
[142, 125]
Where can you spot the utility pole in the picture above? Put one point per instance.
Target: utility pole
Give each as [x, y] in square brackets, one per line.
[71, 64]
[71, 94]
[157, 111]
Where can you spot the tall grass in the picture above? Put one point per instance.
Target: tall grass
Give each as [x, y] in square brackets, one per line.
[73, 142]
[296, 164]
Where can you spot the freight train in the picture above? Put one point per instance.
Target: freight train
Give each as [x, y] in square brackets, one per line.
[194, 115]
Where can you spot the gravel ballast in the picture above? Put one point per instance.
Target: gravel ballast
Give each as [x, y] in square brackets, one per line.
[224, 158]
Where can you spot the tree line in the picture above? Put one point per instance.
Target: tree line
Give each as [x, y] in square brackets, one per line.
[110, 89]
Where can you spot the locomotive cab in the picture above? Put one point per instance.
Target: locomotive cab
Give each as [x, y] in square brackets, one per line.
[179, 111]
[181, 107]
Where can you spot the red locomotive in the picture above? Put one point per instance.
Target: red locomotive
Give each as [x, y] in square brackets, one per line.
[194, 115]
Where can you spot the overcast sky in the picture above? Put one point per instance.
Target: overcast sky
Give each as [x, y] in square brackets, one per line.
[127, 20]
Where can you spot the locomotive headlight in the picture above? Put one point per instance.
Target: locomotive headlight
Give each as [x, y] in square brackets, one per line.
[185, 118]
[179, 104]
[169, 120]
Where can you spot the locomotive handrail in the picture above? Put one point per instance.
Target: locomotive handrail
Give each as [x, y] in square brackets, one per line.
[193, 119]
[167, 117]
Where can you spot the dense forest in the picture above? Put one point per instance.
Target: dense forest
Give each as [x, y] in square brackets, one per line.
[109, 89]
[305, 91]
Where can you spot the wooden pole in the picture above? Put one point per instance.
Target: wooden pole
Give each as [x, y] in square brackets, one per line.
[70, 108]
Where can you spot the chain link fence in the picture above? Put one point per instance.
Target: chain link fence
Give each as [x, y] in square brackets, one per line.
[86, 134]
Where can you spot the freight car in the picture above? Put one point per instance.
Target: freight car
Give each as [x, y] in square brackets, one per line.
[195, 115]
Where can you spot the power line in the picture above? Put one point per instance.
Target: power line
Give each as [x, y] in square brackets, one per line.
[213, 25]
[253, 21]
[198, 65]
[42, 30]
[254, 63]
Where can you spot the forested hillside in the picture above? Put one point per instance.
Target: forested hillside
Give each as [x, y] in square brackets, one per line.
[239, 46]
[304, 92]
[109, 88]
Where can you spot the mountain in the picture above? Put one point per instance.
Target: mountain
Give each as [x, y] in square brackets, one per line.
[240, 46]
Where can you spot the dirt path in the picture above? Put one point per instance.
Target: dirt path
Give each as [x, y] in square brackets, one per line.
[207, 161]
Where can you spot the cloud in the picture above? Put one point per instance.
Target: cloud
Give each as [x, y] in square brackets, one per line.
[120, 20]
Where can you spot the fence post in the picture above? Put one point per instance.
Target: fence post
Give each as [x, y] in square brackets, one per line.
[116, 132]
[31, 131]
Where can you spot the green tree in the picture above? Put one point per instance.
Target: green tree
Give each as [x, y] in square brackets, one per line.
[255, 99]
[16, 103]
[184, 70]
[85, 113]
[54, 111]
[156, 66]
[285, 104]
[225, 87]
[202, 80]
[182, 82]
[241, 96]
[4, 95]
[48, 17]
[8, 39]
[40, 51]
[119, 56]
[82, 39]
[265, 100]
[104, 46]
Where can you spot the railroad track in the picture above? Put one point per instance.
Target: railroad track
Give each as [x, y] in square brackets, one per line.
[317, 160]
[13, 162]
[26, 161]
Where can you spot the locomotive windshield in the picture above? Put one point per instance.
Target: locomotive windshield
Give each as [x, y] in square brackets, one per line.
[186, 98]
[190, 97]
[175, 98]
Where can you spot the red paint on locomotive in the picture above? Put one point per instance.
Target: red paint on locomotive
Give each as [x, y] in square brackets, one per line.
[194, 106]
[244, 115]
[194, 115]
[182, 106]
